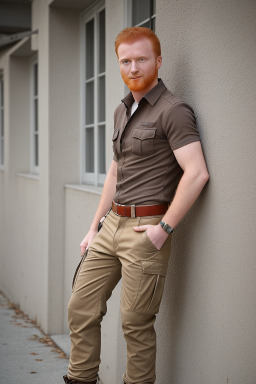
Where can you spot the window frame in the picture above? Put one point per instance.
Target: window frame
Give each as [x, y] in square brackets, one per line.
[34, 97]
[128, 12]
[2, 138]
[92, 178]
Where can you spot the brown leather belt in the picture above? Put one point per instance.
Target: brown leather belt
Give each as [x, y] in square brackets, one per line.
[139, 210]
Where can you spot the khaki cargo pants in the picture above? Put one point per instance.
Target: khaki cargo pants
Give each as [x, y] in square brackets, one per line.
[118, 251]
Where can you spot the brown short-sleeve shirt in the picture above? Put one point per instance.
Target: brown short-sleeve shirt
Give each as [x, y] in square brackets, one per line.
[143, 145]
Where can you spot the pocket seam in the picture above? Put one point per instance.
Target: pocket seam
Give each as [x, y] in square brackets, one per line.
[154, 267]
[144, 134]
[78, 270]
[147, 123]
[150, 242]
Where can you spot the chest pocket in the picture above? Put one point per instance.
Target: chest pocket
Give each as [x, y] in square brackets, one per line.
[143, 141]
[114, 141]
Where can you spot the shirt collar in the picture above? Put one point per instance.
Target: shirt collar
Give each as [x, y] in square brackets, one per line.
[152, 96]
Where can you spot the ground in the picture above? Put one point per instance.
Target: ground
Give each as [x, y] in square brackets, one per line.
[27, 355]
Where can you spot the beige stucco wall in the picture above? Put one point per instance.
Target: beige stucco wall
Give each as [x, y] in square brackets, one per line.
[24, 236]
[64, 134]
[207, 320]
[20, 260]
[206, 325]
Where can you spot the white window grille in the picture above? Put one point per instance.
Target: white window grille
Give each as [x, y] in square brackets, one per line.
[93, 96]
[34, 117]
[1, 120]
[141, 13]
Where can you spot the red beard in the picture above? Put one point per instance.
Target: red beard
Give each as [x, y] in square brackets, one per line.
[143, 82]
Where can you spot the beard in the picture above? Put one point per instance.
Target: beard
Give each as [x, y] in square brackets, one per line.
[141, 83]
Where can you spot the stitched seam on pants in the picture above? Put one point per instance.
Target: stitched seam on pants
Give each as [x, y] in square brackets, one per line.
[136, 298]
[80, 380]
[118, 235]
[137, 294]
[128, 380]
[154, 293]
[78, 271]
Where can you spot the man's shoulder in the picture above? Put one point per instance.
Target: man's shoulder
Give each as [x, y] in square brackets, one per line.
[120, 109]
[170, 98]
[173, 105]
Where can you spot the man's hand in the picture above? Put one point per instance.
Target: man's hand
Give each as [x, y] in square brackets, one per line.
[155, 233]
[107, 196]
[87, 240]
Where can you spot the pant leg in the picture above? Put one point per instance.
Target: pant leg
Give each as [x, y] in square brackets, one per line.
[143, 276]
[98, 275]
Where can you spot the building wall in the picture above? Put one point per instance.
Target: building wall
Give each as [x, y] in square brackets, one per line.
[40, 17]
[64, 146]
[20, 259]
[207, 320]
[24, 240]
[206, 324]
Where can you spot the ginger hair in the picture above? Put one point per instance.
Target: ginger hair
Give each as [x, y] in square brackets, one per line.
[131, 34]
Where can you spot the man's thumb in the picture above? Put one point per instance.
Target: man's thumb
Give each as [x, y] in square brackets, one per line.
[140, 228]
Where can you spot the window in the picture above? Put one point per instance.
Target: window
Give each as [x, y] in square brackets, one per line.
[93, 96]
[1, 120]
[141, 13]
[34, 117]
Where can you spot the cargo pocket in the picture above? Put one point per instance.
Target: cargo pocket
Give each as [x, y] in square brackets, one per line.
[143, 141]
[114, 142]
[151, 286]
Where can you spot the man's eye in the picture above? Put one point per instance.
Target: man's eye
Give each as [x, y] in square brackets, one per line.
[142, 59]
[125, 62]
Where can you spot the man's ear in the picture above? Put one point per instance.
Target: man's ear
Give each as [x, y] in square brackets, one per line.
[159, 61]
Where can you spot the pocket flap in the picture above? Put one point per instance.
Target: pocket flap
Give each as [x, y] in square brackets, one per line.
[143, 134]
[154, 267]
[115, 135]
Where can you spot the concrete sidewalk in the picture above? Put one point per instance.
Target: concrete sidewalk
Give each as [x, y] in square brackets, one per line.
[27, 356]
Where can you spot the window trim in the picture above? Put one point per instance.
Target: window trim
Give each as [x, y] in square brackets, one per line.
[34, 168]
[2, 137]
[91, 178]
[128, 13]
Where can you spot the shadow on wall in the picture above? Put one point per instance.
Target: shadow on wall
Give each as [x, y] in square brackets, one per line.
[172, 322]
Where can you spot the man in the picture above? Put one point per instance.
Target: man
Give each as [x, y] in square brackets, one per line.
[158, 160]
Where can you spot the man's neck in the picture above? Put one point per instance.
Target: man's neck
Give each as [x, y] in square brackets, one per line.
[139, 95]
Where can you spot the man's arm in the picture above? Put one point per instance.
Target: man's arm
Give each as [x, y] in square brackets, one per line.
[191, 159]
[107, 196]
[194, 178]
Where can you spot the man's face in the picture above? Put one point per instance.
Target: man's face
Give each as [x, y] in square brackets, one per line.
[139, 65]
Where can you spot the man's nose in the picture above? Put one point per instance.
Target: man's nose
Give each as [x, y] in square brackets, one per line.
[134, 66]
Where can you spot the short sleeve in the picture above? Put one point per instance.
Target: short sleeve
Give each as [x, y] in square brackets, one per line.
[180, 126]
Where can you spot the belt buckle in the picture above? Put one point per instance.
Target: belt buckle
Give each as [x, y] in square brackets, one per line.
[133, 211]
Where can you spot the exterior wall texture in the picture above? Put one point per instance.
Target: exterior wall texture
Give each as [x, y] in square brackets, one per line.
[206, 325]
[208, 314]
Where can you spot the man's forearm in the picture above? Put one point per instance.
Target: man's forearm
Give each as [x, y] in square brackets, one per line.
[107, 196]
[189, 188]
